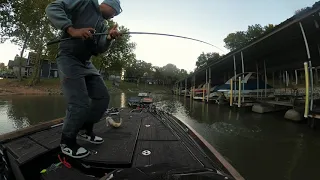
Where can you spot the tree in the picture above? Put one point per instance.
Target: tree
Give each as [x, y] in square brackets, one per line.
[239, 39]
[158, 75]
[205, 58]
[302, 10]
[40, 32]
[121, 53]
[138, 69]
[182, 74]
[253, 32]
[268, 28]
[119, 56]
[2, 67]
[14, 26]
[235, 40]
[24, 22]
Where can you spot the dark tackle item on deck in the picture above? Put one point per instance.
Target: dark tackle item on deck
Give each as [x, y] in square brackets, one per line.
[164, 171]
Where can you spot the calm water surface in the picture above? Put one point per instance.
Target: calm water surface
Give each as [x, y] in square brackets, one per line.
[259, 146]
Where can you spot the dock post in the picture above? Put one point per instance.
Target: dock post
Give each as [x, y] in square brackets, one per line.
[305, 40]
[296, 76]
[192, 91]
[273, 80]
[185, 87]
[194, 86]
[311, 85]
[239, 92]
[316, 75]
[310, 65]
[242, 74]
[209, 83]
[306, 107]
[287, 79]
[258, 88]
[176, 89]
[235, 72]
[265, 79]
[205, 86]
[231, 92]
[177, 93]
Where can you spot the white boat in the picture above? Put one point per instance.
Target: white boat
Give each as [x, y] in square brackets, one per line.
[249, 87]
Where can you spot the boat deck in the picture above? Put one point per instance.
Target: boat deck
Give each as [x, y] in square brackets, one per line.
[143, 139]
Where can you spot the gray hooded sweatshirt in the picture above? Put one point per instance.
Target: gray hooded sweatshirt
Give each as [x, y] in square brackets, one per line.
[79, 14]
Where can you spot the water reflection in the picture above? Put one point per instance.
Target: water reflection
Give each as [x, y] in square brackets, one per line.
[123, 100]
[259, 146]
[21, 111]
[17, 112]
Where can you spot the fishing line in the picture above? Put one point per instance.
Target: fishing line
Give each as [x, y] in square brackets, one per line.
[143, 33]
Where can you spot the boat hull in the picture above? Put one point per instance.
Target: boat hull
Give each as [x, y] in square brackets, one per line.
[144, 138]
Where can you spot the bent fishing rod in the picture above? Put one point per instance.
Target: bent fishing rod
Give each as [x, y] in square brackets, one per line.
[143, 33]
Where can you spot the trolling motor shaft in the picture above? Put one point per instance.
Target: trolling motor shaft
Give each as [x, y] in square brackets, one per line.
[144, 33]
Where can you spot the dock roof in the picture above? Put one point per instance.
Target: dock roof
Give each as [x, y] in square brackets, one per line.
[281, 48]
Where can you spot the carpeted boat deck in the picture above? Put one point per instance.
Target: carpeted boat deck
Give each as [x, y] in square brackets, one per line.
[141, 140]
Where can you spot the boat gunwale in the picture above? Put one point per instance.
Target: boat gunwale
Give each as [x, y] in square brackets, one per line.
[30, 130]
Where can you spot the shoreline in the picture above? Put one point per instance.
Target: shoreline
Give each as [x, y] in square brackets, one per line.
[49, 87]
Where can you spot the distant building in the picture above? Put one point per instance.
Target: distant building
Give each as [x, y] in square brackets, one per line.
[48, 69]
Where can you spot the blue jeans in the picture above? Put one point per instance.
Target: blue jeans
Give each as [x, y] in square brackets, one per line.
[85, 92]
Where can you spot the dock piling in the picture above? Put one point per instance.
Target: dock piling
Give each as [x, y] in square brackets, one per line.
[231, 92]
[239, 93]
[306, 107]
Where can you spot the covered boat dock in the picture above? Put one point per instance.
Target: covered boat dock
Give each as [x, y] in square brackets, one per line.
[286, 58]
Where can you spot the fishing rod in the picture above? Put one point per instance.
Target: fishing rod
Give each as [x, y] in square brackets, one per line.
[144, 33]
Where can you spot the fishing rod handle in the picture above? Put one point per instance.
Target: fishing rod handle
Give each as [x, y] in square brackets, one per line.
[57, 41]
[65, 39]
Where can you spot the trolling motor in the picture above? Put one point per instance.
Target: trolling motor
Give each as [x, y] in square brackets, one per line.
[143, 33]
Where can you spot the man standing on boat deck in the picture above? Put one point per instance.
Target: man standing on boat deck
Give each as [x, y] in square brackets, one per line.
[80, 80]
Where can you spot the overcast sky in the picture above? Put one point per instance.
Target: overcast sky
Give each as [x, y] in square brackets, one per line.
[207, 20]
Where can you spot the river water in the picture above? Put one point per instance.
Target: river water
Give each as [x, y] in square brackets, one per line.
[259, 146]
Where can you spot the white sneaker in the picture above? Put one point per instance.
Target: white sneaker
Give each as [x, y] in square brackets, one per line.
[92, 138]
[75, 152]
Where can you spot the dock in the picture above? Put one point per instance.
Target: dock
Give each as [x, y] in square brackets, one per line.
[144, 139]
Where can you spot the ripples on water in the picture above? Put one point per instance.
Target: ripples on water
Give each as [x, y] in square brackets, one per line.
[259, 146]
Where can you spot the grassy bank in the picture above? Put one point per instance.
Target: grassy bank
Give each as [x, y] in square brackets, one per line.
[52, 86]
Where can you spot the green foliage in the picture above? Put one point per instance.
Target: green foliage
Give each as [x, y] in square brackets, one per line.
[120, 55]
[2, 68]
[206, 58]
[240, 38]
[302, 10]
[166, 75]
[24, 22]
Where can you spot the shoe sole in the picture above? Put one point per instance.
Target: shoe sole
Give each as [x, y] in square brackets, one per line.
[85, 139]
[77, 157]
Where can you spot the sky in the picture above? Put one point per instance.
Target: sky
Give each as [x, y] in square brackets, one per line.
[206, 20]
